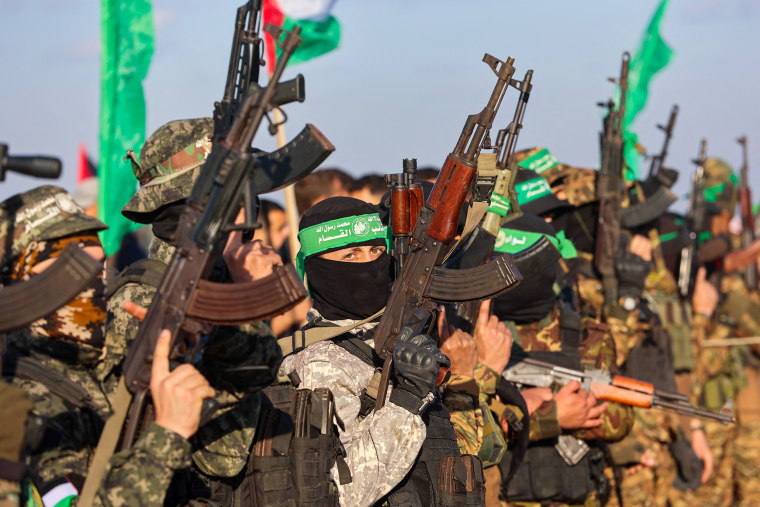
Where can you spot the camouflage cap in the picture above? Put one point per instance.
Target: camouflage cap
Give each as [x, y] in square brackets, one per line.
[44, 213]
[170, 162]
[578, 183]
[720, 184]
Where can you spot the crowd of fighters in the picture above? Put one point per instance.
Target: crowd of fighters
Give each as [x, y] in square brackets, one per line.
[297, 420]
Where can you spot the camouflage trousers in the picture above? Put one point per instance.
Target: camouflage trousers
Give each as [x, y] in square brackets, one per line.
[647, 487]
[747, 464]
[591, 501]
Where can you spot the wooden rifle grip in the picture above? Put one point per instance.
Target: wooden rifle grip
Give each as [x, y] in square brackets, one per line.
[621, 395]
[441, 181]
[401, 209]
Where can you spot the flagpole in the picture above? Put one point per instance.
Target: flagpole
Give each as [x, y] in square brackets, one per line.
[291, 210]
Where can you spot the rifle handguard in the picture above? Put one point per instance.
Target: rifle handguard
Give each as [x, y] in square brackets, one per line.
[237, 303]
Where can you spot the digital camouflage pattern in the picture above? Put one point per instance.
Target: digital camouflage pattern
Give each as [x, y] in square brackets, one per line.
[43, 213]
[381, 448]
[220, 448]
[139, 476]
[169, 164]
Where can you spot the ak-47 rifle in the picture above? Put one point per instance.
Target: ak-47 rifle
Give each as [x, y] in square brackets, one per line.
[495, 193]
[657, 169]
[609, 387]
[202, 230]
[73, 271]
[609, 188]
[748, 220]
[696, 222]
[423, 281]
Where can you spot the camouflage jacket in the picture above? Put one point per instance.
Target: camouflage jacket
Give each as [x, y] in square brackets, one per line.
[596, 351]
[138, 476]
[382, 447]
[220, 448]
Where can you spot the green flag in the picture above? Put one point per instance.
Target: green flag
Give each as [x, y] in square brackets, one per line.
[127, 48]
[652, 55]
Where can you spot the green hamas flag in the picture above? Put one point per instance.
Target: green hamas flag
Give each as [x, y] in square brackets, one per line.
[652, 55]
[127, 48]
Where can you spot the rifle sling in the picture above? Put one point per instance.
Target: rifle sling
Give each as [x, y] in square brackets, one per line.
[305, 337]
[26, 302]
[106, 445]
[57, 383]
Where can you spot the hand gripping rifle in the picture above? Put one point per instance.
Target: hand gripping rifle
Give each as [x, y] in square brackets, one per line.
[423, 280]
[24, 302]
[748, 220]
[696, 222]
[202, 230]
[609, 188]
[609, 387]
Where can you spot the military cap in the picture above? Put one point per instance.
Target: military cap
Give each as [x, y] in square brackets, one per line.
[579, 183]
[44, 213]
[169, 164]
[720, 184]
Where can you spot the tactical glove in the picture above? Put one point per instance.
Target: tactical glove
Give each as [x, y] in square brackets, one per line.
[631, 271]
[417, 363]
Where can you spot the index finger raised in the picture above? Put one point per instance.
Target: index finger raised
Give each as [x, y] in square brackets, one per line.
[160, 368]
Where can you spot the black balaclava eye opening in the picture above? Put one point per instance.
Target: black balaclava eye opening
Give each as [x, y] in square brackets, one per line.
[346, 290]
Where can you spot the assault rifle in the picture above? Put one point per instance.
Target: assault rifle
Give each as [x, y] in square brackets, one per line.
[74, 270]
[495, 199]
[203, 228]
[609, 188]
[407, 200]
[748, 220]
[423, 281]
[696, 222]
[609, 387]
[657, 169]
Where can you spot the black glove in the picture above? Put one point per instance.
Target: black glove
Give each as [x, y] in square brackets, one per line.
[416, 363]
[631, 271]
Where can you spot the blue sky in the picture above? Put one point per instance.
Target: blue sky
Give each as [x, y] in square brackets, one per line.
[404, 79]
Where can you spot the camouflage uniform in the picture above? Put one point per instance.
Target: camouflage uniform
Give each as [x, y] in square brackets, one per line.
[65, 345]
[596, 351]
[381, 448]
[220, 448]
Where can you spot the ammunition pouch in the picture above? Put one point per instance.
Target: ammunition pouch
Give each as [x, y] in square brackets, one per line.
[545, 477]
[688, 464]
[494, 445]
[440, 476]
[676, 320]
[651, 361]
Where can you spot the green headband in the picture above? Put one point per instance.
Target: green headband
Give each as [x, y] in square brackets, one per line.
[539, 162]
[530, 190]
[512, 241]
[339, 233]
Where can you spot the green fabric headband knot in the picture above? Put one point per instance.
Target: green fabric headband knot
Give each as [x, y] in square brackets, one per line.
[539, 162]
[512, 241]
[530, 190]
[338, 233]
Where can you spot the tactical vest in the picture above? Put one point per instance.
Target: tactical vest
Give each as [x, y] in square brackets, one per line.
[545, 475]
[652, 359]
[676, 318]
[439, 476]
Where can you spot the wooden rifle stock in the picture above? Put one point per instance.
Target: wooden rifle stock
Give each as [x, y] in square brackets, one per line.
[436, 225]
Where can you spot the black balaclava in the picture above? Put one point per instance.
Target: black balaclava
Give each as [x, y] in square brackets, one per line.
[534, 297]
[579, 225]
[165, 220]
[345, 290]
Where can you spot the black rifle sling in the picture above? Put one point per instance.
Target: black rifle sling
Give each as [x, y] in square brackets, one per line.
[145, 272]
